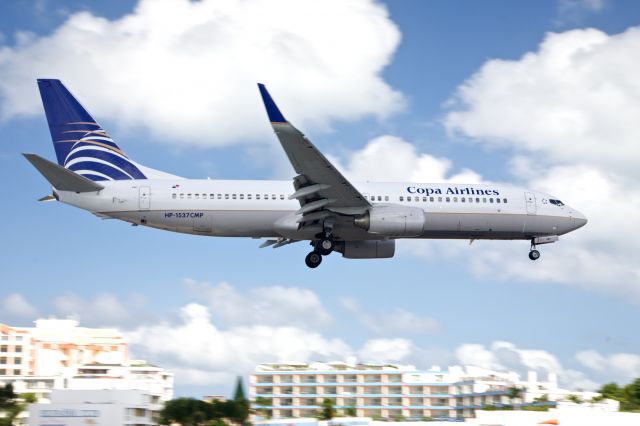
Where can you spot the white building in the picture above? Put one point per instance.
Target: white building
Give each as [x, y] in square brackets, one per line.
[393, 391]
[97, 408]
[59, 354]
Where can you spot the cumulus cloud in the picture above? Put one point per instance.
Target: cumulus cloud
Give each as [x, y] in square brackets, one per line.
[576, 100]
[198, 345]
[618, 366]
[272, 305]
[105, 309]
[16, 306]
[386, 350]
[395, 322]
[187, 71]
[506, 356]
[390, 158]
[569, 112]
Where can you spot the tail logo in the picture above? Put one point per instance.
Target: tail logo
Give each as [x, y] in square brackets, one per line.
[96, 156]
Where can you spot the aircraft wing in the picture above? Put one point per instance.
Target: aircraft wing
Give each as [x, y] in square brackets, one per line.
[319, 186]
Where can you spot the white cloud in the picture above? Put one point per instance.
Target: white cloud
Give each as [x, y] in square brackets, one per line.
[105, 309]
[386, 350]
[395, 322]
[576, 100]
[273, 305]
[187, 71]
[16, 306]
[572, 11]
[506, 356]
[197, 344]
[622, 367]
[389, 158]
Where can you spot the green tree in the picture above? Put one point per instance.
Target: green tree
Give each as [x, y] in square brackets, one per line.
[10, 406]
[575, 399]
[264, 410]
[328, 411]
[351, 411]
[514, 393]
[241, 407]
[541, 398]
[187, 412]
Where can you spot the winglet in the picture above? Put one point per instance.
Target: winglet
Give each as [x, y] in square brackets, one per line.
[275, 116]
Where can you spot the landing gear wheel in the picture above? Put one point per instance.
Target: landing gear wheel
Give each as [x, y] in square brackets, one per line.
[325, 246]
[313, 259]
[534, 255]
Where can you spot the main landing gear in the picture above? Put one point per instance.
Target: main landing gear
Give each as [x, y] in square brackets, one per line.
[323, 246]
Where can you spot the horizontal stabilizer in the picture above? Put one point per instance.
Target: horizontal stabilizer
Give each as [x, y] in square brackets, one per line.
[60, 178]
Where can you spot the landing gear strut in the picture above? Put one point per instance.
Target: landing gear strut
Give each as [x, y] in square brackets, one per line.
[533, 253]
[323, 246]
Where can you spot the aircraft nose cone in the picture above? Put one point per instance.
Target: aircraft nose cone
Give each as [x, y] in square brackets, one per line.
[579, 219]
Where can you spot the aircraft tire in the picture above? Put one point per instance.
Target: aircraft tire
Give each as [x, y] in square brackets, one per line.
[325, 246]
[313, 259]
[534, 255]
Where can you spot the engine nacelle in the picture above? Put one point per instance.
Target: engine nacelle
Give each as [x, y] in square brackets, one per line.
[381, 249]
[393, 221]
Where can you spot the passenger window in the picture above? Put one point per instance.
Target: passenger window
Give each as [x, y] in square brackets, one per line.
[424, 199]
[484, 200]
[189, 196]
[204, 196]
[401, 198]
[233, 196]
[226, 196]
[431, 199]
[504, 200]
[439, 199]
[491, 200]
[196, 196]
[448, 199]
[470, 200]
[477, 200]
[497, 200]
[181, 195]
[257, 196]
[386, 198]
[273, 196]
[248, 196]
[462, 199]
[242, 196]
[219, 196]
[408, 197]
[379, 197]
[282, 196]
[212, 196]
[455, 199]
[173, 196]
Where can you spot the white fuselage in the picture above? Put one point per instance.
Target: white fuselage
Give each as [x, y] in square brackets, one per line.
[252, 208]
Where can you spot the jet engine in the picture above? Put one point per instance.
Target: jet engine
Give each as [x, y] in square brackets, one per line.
[381, 249]
[392, 221]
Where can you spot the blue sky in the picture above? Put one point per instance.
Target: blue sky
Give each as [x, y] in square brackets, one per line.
[354, 78]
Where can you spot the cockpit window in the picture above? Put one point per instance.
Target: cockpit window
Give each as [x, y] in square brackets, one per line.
[557, 203]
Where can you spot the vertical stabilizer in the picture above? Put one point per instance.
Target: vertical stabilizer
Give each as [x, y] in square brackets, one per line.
[81, 144]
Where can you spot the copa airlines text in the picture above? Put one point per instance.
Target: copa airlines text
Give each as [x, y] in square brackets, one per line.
[359, 220]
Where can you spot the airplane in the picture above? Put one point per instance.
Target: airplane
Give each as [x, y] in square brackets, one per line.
[360, 220]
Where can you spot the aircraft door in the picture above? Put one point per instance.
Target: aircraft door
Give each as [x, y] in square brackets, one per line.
[144, 197]
[530, 201]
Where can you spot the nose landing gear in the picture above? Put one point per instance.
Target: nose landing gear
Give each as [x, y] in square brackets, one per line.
[534, 254]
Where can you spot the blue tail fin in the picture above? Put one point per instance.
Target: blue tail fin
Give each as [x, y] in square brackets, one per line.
[81, 144]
